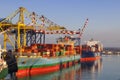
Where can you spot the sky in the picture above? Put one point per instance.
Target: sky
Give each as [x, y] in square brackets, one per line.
[103, 15]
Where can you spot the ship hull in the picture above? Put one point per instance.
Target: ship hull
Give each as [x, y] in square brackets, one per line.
[90, 56]
[30, 66]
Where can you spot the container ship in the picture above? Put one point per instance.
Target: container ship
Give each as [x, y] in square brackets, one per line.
[46, 58]
[91, 50]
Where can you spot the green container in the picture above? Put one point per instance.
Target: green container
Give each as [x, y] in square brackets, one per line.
[3, 73]
[63, 52]
[57, 53]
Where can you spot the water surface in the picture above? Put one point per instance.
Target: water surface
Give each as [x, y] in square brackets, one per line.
[108, 68]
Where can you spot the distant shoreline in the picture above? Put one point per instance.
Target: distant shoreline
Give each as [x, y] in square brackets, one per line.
[111, 51]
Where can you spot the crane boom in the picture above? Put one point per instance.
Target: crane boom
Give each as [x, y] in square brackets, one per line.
[83, 28]
[51, 24]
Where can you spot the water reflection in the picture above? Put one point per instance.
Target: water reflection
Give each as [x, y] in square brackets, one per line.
[90, 70]
[92, 66]
[82, 71]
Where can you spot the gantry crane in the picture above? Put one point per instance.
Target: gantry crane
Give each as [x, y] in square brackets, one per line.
[19, 28]
[27, 30]
[23, 32]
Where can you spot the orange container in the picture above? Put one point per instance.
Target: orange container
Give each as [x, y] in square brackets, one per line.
[70, 52]
[66, 52]
[22, 49]
[35, 50]
[32, 47]
[29, 51]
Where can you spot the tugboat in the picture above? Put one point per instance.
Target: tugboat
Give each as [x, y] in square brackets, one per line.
[91, 50]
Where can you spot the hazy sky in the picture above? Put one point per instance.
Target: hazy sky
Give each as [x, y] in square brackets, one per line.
[103, 15]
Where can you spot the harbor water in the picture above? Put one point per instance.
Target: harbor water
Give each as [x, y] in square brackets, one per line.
[108, 68]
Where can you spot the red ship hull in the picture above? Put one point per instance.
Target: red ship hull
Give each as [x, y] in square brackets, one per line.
[90, 58]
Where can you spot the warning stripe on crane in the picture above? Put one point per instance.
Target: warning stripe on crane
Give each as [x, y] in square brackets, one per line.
[58, 32]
